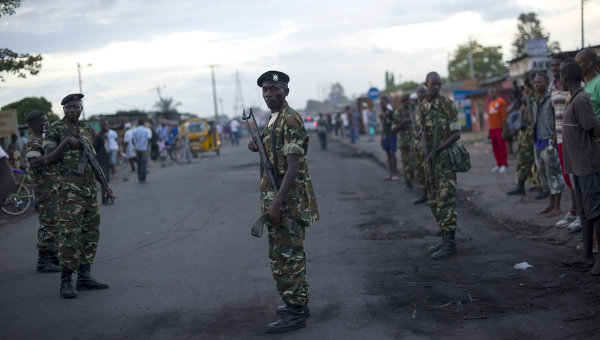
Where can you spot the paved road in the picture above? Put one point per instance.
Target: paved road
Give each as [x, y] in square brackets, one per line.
[181, 263]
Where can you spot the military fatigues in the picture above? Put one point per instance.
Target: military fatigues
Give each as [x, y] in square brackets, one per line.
[405, 142]
[287, 136]
[46, 184]
[417, 148]
[525, 156]
[442, 113]
[78, 215]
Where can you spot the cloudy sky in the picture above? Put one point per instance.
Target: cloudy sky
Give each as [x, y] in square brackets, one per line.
[135, 46]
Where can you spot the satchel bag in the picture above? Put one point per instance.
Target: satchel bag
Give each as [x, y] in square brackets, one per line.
[459, 157]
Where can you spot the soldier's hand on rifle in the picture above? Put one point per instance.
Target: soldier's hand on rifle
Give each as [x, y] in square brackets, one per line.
[109, 194]
[252, 146]
[275, 213]
[72, 141]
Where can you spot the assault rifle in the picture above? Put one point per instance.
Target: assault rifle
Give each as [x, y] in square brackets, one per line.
[264, 158]
[88, 156]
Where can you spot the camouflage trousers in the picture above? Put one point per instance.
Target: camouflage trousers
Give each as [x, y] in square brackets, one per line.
[288, 262]
[47, 217]
[443, 199]
[78, 231]
[408, 168]
[549, 170]
[418, 159]
[525, 156]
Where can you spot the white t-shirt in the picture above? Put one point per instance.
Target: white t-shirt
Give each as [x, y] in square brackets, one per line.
[273, 118]
[128, 139]
[235, 126]
[113, 145]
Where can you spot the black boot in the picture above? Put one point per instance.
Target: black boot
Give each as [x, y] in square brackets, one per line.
[281, 311]
[518, 190]
[66, 286]
[44, 263]
[293, 319]
[85, 281]
[421, 199]
[438, 246]
[448, 246]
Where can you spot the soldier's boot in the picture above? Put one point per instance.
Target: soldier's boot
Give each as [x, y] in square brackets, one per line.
[281, 311]
[66, 286]
[518, 190]
[85, 281]
[294, 318]
[54, 258]
[422, 198]
[44, 263]
[448, 247]
[437, 246]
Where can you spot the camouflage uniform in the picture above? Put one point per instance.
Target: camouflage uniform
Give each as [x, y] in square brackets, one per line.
[45, 186]
[287, 136]
[78, 215]
[417, 148]
[442, 200]
[525, 156]
[405, 142]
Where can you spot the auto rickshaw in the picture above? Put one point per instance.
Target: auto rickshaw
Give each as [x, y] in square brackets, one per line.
[203, 136]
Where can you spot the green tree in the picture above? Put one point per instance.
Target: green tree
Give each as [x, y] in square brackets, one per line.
[13, 62]
[487, 61]
[165, 105]
[28, 104]
[530, 27]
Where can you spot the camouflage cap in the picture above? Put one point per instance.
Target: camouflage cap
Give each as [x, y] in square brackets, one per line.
[273, 77]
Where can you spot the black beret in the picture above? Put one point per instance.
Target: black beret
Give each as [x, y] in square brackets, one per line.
[71, 97]
[273, 77]
[35, 114]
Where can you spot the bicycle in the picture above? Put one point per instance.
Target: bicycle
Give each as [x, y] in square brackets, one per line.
[20, 200]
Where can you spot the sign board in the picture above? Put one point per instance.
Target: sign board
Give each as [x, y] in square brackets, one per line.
[373, 93]
[536, 47]
[8, 123]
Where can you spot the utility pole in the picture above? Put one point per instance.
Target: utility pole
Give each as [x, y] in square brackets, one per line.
[212, 72]
[471, 68]
[239, 97]
[582, 41]
[80, 87]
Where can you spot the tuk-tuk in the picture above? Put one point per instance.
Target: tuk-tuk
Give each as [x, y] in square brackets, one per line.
[203, 136]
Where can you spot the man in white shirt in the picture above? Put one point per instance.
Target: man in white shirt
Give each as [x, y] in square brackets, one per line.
[235, 132]
[140, 138]
[113, 149]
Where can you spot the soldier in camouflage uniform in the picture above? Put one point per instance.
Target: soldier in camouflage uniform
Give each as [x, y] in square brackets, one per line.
[401, 125]
[45, 187]
[78, 215]
[417, 147]
[525, 155]
[439, 118]
[286, 144]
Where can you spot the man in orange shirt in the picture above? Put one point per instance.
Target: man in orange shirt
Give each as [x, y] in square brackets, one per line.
[497, 114]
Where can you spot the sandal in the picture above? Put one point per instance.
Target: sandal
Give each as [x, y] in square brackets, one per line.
[544, 211]
[554, 213]
[394, 178]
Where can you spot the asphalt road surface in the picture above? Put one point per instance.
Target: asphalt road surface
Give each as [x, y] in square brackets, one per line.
[181, 263]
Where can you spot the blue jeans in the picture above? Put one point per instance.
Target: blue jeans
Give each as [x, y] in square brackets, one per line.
[142, 160]
[353, 134]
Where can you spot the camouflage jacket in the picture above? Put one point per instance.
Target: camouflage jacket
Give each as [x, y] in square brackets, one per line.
[45, 177]
[404, 138]
[441, 112]
[287, 136]
[83, 184]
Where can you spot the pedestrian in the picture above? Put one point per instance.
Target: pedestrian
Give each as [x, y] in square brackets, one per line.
[235, 132]
[184, 152]
[498, 130]
[389, 138]
[140, 139]
[78, 215]
[525, 152]
[559, 96]
[355, 125]
[21, 142]
[546, 156]
[581, 131]
[338, 124]
[15, 156]
[162, 131]
[401, 126]
[417, 144]
[101, 143]
[441, 129]
[345, 123]
[129, 148]
[588, 60]
[286, 143]
[113, 150]
[45, 186]
[322, 131]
